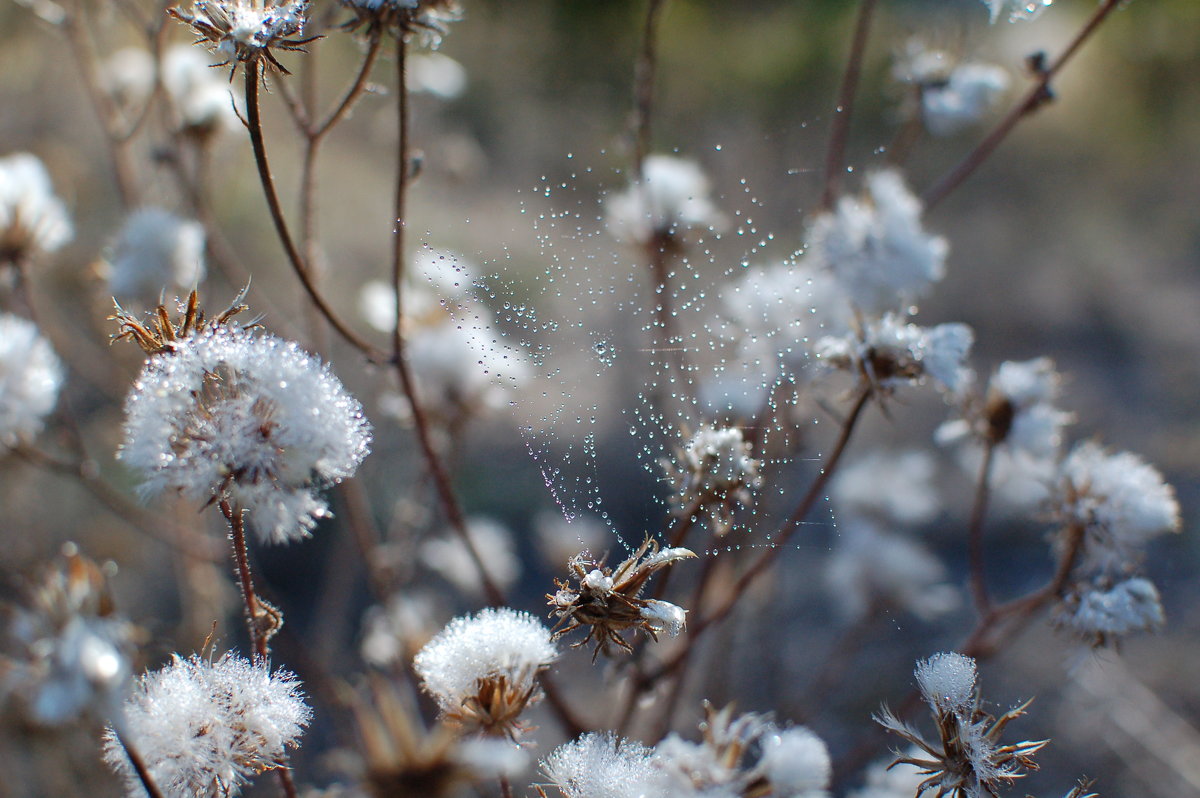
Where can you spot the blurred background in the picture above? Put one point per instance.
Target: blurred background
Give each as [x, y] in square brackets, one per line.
[1078, 240]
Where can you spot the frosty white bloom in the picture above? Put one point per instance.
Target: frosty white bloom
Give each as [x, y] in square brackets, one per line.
[1099, 614]
[601, 765]
[877, 248]
[870, 567]
[481, 668]
[947, 681]
[953, 95]
[1018, 9]
[200, 94]
[465, 367]
[228, 414]
[245, 30]
[1020, 409]
[1119, 500]
[30, 378]
[889, 353]
[491, 540]
[796, 762]
[671, 199]
[206, 728]
[720, 460]
[128, 74]
[440, 284]
[32, 219]
[889, 486]
[155, 250]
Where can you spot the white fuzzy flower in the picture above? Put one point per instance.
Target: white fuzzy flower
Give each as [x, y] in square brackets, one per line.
[436, 74]
[890, 486]
[200, 94]
[891, 353]
[720, 460]
[664, 617]
[600, 765]
[1100, 613]
[204, 728]
[394, 632]
[1021, 398]
[947, 681]
[876, 247]
[796, 763]
[250, 418]
[1119, 500]
[953, 94]
[1018, 9]
[671, 199]
[155, 250]
[871, 566]
[30, 378]
[32, 219]
[481, 668]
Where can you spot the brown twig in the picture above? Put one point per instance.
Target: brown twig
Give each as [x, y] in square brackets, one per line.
[979, 591]
[839, 127]
[643, 85]
[237, 536]
[1037, 96]
[139, 767]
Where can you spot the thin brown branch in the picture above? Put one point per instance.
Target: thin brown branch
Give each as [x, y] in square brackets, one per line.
[237, 537]
[839, 128]
[139, 767]
[643, 85]
[1034, 99]
[354, 92]
[979, 591]
[254, 123]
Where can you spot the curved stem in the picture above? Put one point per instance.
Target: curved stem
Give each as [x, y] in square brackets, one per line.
[979, 591]
[1037, 96]
[839, 128]
[139, 767]
[254, 124]
[237, 536]
[354, 92]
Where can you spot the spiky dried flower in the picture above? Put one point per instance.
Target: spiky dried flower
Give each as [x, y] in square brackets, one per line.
[482, 669]
[245, 31]
[402, 757]
[74, 648]
[715, 470]
[428, 20]
[206, 728]
[608, 601]
[967, 760]
[159, 333]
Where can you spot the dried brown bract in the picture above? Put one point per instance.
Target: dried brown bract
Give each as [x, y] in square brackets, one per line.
[157, 333]
[608, 600]
[245, 31]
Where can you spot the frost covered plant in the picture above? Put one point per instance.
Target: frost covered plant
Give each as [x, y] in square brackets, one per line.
[73, 648]
[30, 378]
[745, 756]
[600, 765]
[1101, 612]
[952, 95]
[671, 199]
[1017, 411]
[245, 31]
[877, 248]
[155, 250]
[428, 20]
[608, 601]
[33, 220]
[206, 728]
[227, 415]
[482, 669]
[967, 760]
[888, 353]
[715, 470]
[1117, 502]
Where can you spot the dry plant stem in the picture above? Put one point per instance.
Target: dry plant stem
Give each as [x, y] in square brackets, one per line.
[643, 89]
[505, 788]
[254, 122]
[84, 53]
[1038, 95]
[285, 781]
[979, 591]
[237, 536]
[139, 767]
[433, 461]
[839, 128]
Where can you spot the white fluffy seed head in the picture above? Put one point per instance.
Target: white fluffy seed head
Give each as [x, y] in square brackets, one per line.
[600, 765]
[251, 418]
[796, 762]
[947, 681]
[205, 728]
[32, 219]
[671, 199]
[493, 642]
[30, 378]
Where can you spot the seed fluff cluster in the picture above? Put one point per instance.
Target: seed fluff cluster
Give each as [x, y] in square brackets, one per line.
[225, 414]
[205, 728]
[30, 378]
